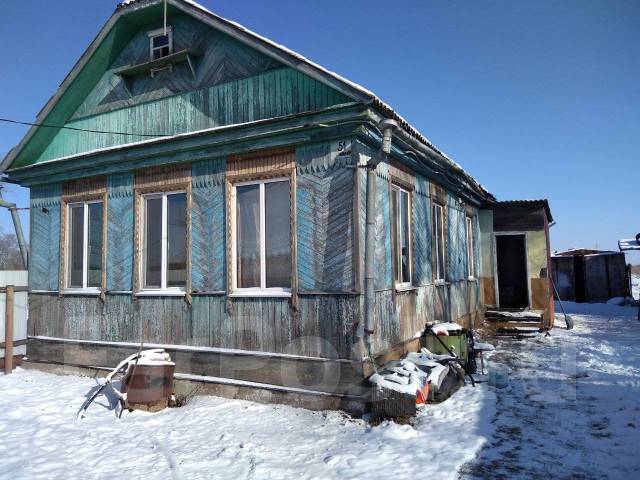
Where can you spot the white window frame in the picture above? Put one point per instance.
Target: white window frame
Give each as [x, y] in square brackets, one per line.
[262, 290]
[471, 247]
[159, 33]
[397, 221]
[85, 248]
[163, 290]
[438, 219]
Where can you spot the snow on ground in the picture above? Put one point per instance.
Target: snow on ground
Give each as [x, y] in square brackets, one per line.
[216, 438]
[635, 286]
[571, 410]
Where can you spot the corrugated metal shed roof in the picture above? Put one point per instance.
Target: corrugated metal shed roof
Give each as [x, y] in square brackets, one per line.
[542, 202]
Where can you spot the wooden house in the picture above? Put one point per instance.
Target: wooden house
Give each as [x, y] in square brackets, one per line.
[208, 193]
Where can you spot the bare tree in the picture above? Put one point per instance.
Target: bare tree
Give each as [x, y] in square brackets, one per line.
[10, 258]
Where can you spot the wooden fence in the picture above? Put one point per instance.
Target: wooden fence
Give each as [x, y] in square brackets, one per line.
[13, 318]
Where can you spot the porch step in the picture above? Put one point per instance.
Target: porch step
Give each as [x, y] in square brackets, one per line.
[519, 316]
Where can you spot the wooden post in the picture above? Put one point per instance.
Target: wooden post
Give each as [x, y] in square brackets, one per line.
[8, 331]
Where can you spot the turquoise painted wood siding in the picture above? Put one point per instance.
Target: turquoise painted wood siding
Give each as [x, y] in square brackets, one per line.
[120, 228]
[421, 227]
[456, 241]
[45, 237]
[208, 226]
[383, 269]
[325, 220]
[223, 59]
[383, 254]
[272, 94]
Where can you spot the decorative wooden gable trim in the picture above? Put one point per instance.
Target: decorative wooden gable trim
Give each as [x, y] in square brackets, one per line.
[163, 178]
[260, 165]
[82, 190]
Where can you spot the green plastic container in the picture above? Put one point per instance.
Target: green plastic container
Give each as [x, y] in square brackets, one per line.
[457, 344]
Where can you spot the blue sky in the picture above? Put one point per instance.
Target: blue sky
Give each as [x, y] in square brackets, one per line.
[535, 99]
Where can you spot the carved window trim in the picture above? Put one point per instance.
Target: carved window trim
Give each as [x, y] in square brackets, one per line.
[76, 192]
[439, 226]
[260, 166]
[471, 243]
[160, 180]
[396, 234]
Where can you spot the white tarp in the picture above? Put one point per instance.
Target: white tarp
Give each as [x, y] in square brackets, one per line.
[628, 244]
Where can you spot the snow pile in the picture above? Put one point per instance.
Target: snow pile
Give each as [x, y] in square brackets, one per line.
[435, 356]
[216, 438]
[437, 372]
[155, 357]
[400, 376]
[483, 347]
[635, 286]
[447, 328]
[622, 301]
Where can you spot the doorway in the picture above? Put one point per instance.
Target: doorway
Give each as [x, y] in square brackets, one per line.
[513, 282]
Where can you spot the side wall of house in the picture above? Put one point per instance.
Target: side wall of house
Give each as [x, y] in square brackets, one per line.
[320, 322]
[401, 314]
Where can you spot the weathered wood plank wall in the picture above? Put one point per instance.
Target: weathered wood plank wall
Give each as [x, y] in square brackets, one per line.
[400, 315]
[268, 95]
[325, 220]
[45, 237]
[120, 232]
[322, 326]
[208, 253]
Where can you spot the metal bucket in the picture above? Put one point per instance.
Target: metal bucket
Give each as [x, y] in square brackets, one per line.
[149, 387]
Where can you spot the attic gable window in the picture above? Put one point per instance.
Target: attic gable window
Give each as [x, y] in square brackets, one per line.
[160, 44]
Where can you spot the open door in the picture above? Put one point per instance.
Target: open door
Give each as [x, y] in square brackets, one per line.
[511, 258]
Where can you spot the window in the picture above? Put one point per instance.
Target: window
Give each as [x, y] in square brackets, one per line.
[84, 246]
[471, 248]
[164, 232]
[438, 236]
[160, 44]
[401, 231]
[262, 237]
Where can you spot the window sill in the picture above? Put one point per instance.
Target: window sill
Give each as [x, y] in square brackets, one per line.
[405, 288]
[80, 291]
[260, 293]
[439, 283]
[160, 293]
[472, 279]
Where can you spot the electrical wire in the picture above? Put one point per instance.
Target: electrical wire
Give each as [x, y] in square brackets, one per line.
[44, 125]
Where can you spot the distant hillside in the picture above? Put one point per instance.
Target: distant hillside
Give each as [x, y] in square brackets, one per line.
[635, 269]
